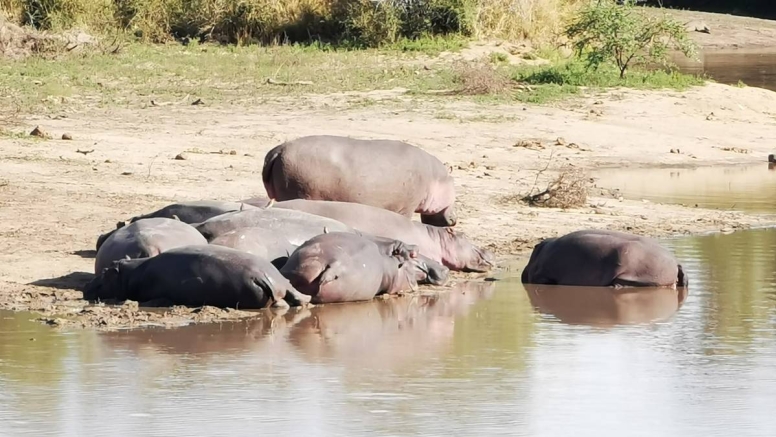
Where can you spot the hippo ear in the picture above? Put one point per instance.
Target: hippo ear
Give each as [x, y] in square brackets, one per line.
[126, 257]
[176, 217]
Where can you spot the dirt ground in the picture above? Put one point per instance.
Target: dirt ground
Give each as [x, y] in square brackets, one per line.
[57, 196]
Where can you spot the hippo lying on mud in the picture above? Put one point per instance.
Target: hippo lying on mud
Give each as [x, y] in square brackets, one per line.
[197, 276]
[264, 243]
[599, 258]
[145, 238]
[295, 226]
[443, 245]
[188, 212]
[346, 267]
[383, 173]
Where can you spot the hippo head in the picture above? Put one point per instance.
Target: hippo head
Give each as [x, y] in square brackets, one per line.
[460, 254]
[107, 285]
[681, 279]
[443, 218]
[429, 271]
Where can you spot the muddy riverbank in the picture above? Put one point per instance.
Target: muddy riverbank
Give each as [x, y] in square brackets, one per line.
[55, 200]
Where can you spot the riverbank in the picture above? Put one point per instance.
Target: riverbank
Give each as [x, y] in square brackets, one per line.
[57, 196]
[130, 114]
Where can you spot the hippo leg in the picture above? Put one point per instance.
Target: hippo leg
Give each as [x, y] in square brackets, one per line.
[296, 298]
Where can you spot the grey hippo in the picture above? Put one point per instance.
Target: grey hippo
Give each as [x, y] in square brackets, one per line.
[265, 243]
[196, 276]
[346, 267]
[145, 238]
[387, 174]
[295, 226]
[195, 211]
[443, 245]
[600, 258]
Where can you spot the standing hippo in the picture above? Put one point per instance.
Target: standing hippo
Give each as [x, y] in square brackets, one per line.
[295, 226]
[599, 258]
[345, 267]
[264, 243]
[386, 174]
[443, 245]
[188, 212]
[145, 238]
[196, 276]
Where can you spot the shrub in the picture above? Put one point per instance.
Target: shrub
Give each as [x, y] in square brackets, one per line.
[605, 31]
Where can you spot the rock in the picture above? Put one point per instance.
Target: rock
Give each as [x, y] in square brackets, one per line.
[697, 26]
[40, 133]
[67, 136]
[180, 157]
[772, 158]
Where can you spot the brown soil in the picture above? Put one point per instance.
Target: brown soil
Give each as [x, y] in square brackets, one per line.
[55, 199]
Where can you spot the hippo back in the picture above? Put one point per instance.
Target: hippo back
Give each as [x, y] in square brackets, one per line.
[145, 238]
[295, 226]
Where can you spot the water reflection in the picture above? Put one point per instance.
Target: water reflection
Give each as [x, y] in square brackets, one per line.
[605, 306]
[489, 358]
[744, 187]
[755, 67]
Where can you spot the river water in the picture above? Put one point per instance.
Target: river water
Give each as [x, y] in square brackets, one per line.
[753, 67]
[487, 358]
[750, 188]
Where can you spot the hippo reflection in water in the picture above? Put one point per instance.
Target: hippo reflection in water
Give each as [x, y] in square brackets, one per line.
[380, 333]
[605, 307]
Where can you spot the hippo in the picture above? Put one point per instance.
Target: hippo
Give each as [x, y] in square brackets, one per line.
[346, 267]
[442, 245]
[146, 238]
[264, 243]
[196, 276]
[188, 212]
[388, 174]
[295, 226]
[600, 258]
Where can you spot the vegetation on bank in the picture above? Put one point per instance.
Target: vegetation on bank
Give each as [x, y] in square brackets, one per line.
[136, 71]
[352, 22]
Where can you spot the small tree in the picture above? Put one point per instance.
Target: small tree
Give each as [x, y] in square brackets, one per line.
[605, 31]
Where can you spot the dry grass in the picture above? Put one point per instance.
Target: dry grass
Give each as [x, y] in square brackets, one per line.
[476, 79]
[274, 21]
[568, 190]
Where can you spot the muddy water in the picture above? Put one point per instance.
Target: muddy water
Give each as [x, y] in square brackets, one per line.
[749, 188]
[486, 359]
[754, 67]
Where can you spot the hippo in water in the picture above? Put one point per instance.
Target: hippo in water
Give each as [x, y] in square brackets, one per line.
[188, 212]
[598, 258]
[383, 173]
[196, 276]
[146, 238]
[295, 226]
[264, 243]
[443, 245]
[346, 267]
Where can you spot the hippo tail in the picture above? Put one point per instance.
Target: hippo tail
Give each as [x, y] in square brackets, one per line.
[266, 171]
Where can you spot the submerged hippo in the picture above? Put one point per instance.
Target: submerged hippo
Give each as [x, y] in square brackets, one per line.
[196, 276]
[264, 243]
[295, 226]
[345, 267]
[188, 212]
[146, 238]
[383, 173]
[599, 258]
[443, 245]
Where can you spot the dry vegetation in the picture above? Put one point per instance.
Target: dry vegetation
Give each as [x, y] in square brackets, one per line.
[569, 189]
[361, 22]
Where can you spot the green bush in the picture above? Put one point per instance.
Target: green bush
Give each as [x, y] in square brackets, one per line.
[605, 32]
